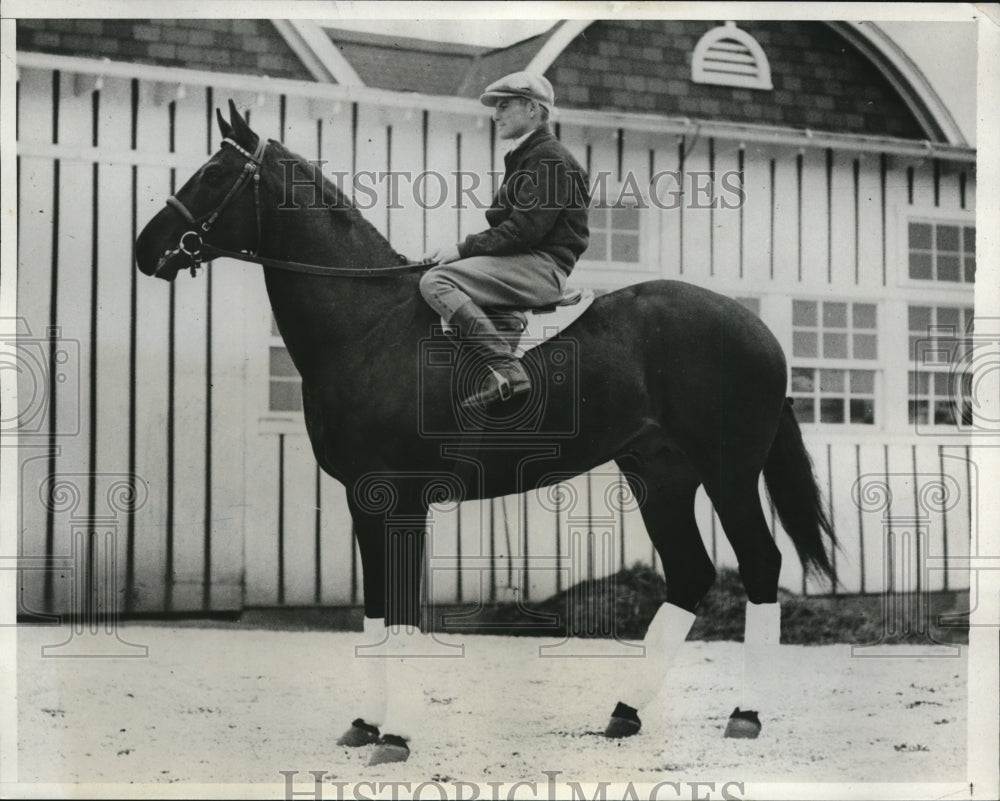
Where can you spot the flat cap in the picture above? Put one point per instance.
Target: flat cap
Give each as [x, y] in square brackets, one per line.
[520, 84]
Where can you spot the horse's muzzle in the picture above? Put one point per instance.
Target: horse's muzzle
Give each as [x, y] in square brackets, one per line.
[171, 263]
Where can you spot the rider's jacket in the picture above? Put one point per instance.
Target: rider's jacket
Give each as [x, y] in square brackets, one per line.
[541, 205]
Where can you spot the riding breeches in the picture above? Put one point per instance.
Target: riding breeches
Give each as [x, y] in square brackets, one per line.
[523, 280]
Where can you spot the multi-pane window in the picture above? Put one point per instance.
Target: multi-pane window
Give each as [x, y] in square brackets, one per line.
[285, 383]
[940, 385]
[833, 396]
[834, 330]
[827, 337]
[614, 234]
[940, 398]
[940, 251]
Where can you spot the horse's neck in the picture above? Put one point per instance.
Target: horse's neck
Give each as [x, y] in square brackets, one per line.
[319, 314]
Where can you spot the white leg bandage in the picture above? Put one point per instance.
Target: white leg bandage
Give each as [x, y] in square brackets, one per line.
[407, 659]
[664, 637]
[762, 635]
[371, 706]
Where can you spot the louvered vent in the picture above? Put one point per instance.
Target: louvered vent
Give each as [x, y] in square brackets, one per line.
[729, 56]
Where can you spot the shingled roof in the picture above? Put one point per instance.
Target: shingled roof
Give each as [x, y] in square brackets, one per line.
[406, 64]
[854, 81]
[438, 68]
[492, 64]
[827, 76]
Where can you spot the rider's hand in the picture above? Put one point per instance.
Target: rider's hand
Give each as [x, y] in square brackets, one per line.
[443, 255]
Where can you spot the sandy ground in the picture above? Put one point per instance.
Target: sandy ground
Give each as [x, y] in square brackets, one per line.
[237, 705]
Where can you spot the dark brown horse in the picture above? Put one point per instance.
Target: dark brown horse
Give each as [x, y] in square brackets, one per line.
[680, 386]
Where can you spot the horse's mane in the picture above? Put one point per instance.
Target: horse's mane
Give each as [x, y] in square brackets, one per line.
[339, 204]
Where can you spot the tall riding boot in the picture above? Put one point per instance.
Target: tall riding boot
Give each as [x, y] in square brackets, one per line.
[507, 375]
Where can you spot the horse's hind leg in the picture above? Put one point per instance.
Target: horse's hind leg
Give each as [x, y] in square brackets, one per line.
[667, 484]
[737, 502]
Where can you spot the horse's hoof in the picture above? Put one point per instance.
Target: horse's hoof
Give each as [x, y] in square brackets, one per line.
[624, 722]
[390, 748]
[359, 734]
[622, 727]
[743, 725]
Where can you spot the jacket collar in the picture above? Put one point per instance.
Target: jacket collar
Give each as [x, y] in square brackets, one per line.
[521, 140]
[540, 134]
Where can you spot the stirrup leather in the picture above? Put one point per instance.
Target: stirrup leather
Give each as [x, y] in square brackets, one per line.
[503, 385]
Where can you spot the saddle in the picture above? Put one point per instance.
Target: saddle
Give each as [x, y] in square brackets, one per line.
[525, 329]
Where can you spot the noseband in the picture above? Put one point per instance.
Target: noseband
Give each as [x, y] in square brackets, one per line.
[191, 243]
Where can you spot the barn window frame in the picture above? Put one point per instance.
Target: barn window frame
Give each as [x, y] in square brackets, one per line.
[933, 251]
[939, 382]
[844, 391]
[898, 250]
[835, 338]
[718, 60]
[281, 379]
[602, 224]
[839, 376]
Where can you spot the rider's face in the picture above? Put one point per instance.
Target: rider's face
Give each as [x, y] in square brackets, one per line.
[515, 117]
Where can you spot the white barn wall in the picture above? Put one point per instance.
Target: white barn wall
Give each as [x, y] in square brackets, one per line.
[72, 296]
[114, 291]
[756, 213]
[695, 241]
[473, 153]
[36, 216]
[249, 528]
[728, 254]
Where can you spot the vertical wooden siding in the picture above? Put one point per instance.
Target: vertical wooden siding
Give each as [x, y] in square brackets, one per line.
[170, 390]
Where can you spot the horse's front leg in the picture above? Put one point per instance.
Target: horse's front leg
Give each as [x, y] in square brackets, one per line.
[370, 704]
[390, 526]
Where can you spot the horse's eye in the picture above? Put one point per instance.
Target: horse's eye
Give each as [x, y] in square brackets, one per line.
[212, 173]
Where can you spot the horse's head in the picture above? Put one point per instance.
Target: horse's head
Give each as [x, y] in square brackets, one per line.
[222, 190]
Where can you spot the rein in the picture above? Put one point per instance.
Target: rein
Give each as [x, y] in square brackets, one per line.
[198, 250]
[209, 251]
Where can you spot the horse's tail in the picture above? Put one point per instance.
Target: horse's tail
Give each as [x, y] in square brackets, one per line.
[788, 473]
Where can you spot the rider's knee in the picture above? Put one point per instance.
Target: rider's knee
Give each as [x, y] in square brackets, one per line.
[429, 282]
[435, 281]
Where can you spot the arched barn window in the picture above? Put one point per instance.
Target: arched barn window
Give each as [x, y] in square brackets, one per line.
[729, 56]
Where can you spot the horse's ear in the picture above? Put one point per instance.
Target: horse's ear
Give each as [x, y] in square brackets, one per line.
[224, 127]
[242, 131]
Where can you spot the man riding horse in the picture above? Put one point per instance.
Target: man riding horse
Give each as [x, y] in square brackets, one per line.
[681, 387]
[538, 229]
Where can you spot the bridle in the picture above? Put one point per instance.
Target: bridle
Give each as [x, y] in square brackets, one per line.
[197, 250]
[200, 226]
